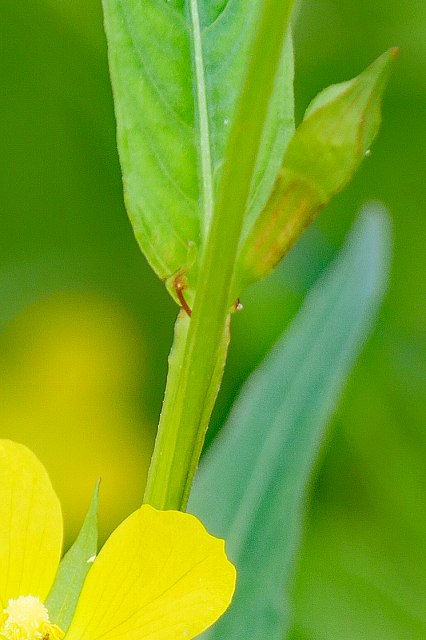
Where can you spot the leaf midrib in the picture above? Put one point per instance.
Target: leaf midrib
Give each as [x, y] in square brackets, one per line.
[203, 121]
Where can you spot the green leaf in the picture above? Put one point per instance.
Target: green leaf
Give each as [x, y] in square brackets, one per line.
[63, 597]
[177, 71]
[251, 488]
[323, 155]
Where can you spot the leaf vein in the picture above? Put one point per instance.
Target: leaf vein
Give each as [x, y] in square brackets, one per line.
[165, 100]
[202, 107]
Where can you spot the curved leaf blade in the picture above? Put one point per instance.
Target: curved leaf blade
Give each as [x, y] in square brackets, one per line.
[251, 488]
[177, 70]
[149, 58]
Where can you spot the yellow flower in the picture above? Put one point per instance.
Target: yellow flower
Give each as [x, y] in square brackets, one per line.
[160, 576]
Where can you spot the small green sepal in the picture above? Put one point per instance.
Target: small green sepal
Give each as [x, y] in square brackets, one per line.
[62, 599]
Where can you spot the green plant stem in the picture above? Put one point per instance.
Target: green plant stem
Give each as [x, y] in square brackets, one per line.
[200, 346]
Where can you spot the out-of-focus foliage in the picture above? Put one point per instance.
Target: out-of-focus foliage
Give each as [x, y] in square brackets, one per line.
[63, 228]
[252, 485]
[70, 368]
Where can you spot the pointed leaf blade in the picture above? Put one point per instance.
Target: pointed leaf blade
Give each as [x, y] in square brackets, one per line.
[251, 488]
[324, 153]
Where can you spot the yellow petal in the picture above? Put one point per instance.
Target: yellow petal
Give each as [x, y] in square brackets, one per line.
[160, 576]
[30, 525]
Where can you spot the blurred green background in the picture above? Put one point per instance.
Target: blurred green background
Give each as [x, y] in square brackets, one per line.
[86, 327]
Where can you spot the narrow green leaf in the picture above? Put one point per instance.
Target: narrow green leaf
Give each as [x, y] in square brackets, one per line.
[251, 488]
[62, 599]
[323, 155]
[177, 70]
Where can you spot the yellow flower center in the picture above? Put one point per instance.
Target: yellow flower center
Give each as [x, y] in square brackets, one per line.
[26, 618]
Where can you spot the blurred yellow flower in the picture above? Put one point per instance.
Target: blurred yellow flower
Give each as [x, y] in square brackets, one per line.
[160, 576]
